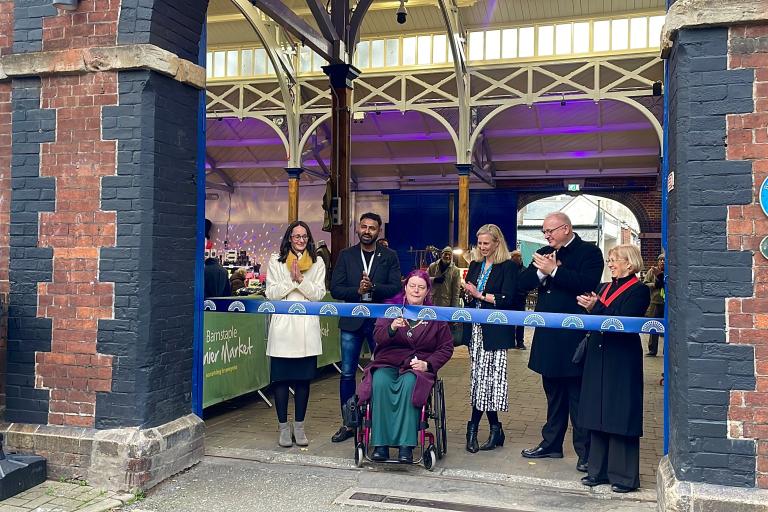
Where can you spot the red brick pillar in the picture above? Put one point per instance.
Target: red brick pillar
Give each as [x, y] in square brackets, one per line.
[747, 226]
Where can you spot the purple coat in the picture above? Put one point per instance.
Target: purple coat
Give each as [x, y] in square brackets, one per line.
[431, 342]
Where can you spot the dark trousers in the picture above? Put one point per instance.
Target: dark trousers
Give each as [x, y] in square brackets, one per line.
[351, 345]
[520, 335]
[656, 311]
[615, 458]
[562, 400]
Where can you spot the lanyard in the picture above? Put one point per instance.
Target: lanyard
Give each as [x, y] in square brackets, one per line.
[618, 292]
[367, 266]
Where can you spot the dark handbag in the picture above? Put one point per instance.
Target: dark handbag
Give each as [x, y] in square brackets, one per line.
[581, 350]
[350, 413]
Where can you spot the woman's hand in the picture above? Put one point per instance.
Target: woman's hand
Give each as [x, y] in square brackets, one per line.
[471, 289]
[418, 365]
[296, 274]
[397, 323]
[587, 300]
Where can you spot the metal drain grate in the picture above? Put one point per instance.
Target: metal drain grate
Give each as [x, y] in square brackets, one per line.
[392, 501]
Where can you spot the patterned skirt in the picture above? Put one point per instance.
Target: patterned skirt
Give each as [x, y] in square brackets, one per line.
[488, 375]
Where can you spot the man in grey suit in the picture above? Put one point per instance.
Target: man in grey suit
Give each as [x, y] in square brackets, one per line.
[365, 272]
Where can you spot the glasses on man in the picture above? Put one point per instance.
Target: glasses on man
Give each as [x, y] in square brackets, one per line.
[548, 232]
[300, 237]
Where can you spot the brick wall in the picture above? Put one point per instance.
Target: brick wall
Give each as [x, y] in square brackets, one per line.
[747, 226]
[703, 269]
[75, 300]
[6, 41]
[174, 25]
[153, 194]
[28, 24]
[94, 23]
[29, 264]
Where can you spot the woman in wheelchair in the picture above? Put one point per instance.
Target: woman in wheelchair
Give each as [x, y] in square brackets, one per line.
[400, 377]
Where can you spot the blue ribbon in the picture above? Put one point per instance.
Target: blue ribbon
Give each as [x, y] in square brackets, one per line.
[477, 316]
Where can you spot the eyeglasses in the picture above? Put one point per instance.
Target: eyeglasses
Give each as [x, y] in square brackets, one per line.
[548, 232]
[615, 260]
[300, 237]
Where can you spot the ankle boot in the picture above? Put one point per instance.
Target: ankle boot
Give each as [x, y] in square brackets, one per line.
[285, 435]
[299, 435]
[472, 446]
[496, 438]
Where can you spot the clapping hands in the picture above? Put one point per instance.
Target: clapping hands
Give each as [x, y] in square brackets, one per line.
[587, 300]
[547, 263]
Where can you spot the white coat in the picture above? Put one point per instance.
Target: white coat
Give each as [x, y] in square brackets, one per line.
[294, 336]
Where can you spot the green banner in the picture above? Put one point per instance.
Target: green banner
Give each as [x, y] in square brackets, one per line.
[235, 358]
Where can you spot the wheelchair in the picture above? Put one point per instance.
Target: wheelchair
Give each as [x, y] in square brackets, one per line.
[433, 446]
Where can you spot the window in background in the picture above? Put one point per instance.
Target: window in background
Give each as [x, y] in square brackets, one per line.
[493, 45]
[476, 43]
[509, 43]
[527, 43]
[602, 36]
[546, 40]
[619, 34]
[638, 33]
[563, 35]
[409, 51]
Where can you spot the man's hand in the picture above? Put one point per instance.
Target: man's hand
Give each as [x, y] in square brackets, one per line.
[365, 284]
[547, 263]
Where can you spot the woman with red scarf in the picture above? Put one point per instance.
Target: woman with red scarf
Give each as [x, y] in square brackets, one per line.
[611, 405]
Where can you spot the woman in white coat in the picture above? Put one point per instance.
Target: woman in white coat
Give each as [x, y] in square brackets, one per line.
[293, 344]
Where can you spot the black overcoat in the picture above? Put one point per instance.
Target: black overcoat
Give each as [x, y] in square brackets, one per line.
[612, 384]
[345, 281]
[581, 265]
[502, 284]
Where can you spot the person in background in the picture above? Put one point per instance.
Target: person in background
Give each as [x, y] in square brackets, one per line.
[611, 405]
[491, 283]
[654, 279]
[365, 272]
[293, 342]
[519, 302]
[324, 252]
[383, 242]
[216, 279]
[564, 269]
[237, 279]
[400, 377]
[445, 280]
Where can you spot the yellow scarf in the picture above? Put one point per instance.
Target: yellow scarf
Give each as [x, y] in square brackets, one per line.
[305, 262]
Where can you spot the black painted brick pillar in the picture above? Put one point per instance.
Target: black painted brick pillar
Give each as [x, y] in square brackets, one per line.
[152, 264]
[703, 369]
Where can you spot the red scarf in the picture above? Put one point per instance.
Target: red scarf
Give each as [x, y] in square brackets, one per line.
[607, 302]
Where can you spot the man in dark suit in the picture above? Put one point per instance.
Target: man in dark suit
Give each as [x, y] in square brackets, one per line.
[563, 270]
[365, 272]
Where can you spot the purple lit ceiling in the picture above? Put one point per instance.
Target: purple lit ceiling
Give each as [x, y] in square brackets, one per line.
[581, 138]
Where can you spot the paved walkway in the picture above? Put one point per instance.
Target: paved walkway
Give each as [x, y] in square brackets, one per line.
[53, 496]
[249, 426]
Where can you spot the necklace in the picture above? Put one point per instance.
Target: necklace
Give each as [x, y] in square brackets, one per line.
[412, 326]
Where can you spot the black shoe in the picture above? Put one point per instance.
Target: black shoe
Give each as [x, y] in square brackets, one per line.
[343, 434]
[472, 446]
[406, 455]
[582, 465]
[496, 438]
[622, 488]
[380, 453]
[540, 453]
[592, 482]
[650, 354]
[520, 347]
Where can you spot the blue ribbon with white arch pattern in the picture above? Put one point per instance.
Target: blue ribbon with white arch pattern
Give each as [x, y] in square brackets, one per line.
[469, 315]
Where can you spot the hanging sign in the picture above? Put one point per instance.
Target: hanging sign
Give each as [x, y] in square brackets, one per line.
[764, 196]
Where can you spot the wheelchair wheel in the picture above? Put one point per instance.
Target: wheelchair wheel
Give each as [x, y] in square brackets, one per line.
[441, 431]
[359, 455]
[430, 458]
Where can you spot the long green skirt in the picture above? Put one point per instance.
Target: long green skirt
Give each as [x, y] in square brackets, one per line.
[395, 419]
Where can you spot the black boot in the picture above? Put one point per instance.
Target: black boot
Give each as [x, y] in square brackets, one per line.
[472, 446]
[496, 438]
